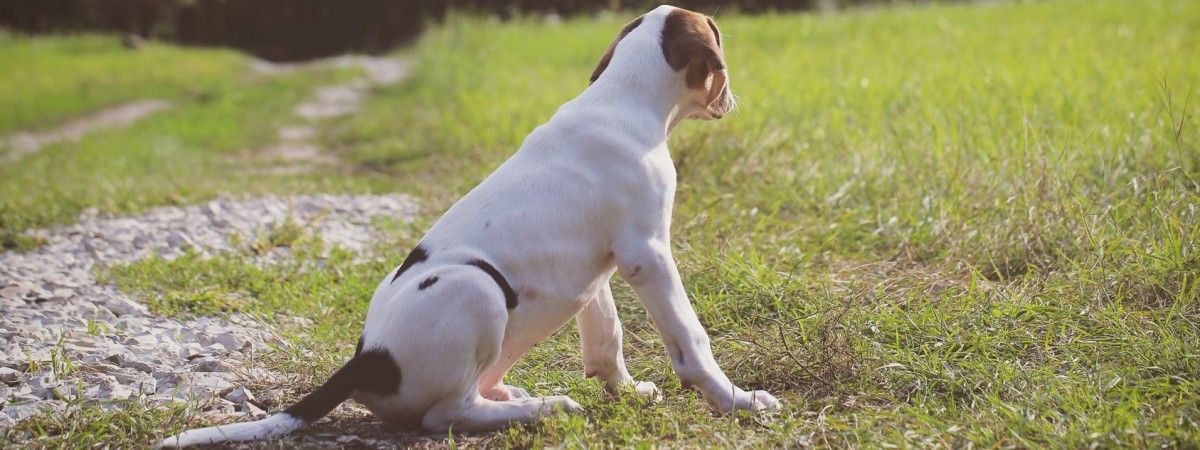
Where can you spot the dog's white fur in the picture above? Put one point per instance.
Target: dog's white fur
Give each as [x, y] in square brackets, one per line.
[588, 194]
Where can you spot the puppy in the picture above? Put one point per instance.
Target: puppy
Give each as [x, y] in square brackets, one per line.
[588, 194]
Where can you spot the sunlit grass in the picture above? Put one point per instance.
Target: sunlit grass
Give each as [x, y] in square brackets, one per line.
[45, 79]
[200, 148]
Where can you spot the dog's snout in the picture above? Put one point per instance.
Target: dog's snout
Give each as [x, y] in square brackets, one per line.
[724, 104]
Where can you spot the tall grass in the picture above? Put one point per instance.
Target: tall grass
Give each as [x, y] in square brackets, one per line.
[947, 224]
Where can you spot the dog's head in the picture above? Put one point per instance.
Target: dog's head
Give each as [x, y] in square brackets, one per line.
[690, 45]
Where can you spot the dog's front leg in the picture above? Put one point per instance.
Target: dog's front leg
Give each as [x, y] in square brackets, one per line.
[600, 333]
[647, 265]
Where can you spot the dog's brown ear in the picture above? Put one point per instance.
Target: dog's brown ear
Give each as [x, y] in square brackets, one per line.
[692, 42]
[604, 60]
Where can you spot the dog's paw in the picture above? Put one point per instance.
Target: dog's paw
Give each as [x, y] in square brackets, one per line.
[764, 401]
[515, 392]
[559, 404]
[641, 389]
[571, 406]
[754, 401]
[647, 390]
[503, 393]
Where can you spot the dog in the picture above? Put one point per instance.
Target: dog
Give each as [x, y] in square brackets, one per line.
[588, 194]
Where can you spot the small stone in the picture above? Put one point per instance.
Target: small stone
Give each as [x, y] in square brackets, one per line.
[101, 367]
[272, 396]
[122, 306]
[202, 385]
[42, 381]
[176, 239]
[21, 411]
[210, 364]
[108, 390]
[252, 410]
[9, 376]
[223, 406]
[240, 395]
[65, 392]
[138, 365]
[231, 341]
[117, 358]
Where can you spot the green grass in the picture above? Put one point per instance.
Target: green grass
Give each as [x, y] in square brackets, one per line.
[202, 147]
[47, 79]
[945, 225]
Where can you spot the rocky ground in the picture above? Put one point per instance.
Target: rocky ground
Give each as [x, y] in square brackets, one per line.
[66, 337]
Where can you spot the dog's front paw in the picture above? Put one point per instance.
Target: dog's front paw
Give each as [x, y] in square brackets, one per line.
[643, 389]
[647, 390]
[741, 400]
[763, 401]
[556, 404]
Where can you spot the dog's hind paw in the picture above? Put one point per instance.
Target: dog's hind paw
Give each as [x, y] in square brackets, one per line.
[515, 392]
[559, 404]
[503, 393]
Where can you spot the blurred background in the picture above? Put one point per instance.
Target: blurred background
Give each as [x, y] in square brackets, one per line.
[292, 30]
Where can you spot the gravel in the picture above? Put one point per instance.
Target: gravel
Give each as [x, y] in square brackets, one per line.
[66, 337]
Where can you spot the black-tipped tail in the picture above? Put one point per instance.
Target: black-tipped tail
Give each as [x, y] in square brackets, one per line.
[371, 370]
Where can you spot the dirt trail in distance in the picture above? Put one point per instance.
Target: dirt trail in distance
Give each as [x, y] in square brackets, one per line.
[25, 143]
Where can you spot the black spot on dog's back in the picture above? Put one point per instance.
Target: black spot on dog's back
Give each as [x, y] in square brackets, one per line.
[417, 256]
[510, 296]
[427, 283]
[358, 348]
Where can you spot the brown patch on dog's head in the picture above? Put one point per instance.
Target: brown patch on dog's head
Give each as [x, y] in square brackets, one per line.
[692, 42]
[604, 60]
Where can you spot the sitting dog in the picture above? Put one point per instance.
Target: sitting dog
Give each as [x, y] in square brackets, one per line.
[588, 194]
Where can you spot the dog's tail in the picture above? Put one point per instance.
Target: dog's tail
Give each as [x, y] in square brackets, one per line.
[372, 370]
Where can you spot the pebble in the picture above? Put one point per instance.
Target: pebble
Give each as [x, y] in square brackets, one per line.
[9, 375]
[240, 395]
[64, 335]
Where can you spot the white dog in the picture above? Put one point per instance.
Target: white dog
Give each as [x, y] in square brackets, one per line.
[589, 193]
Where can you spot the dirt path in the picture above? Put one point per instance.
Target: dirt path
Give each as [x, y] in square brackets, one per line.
[295, 152]
[23, 144]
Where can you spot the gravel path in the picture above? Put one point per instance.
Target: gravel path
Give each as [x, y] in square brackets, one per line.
[52, 309]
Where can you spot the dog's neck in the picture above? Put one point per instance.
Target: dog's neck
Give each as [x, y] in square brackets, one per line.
[638, 77]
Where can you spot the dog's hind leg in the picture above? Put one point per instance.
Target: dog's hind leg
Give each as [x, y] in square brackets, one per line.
[454, 329]
[476, 413]
[600, 333]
